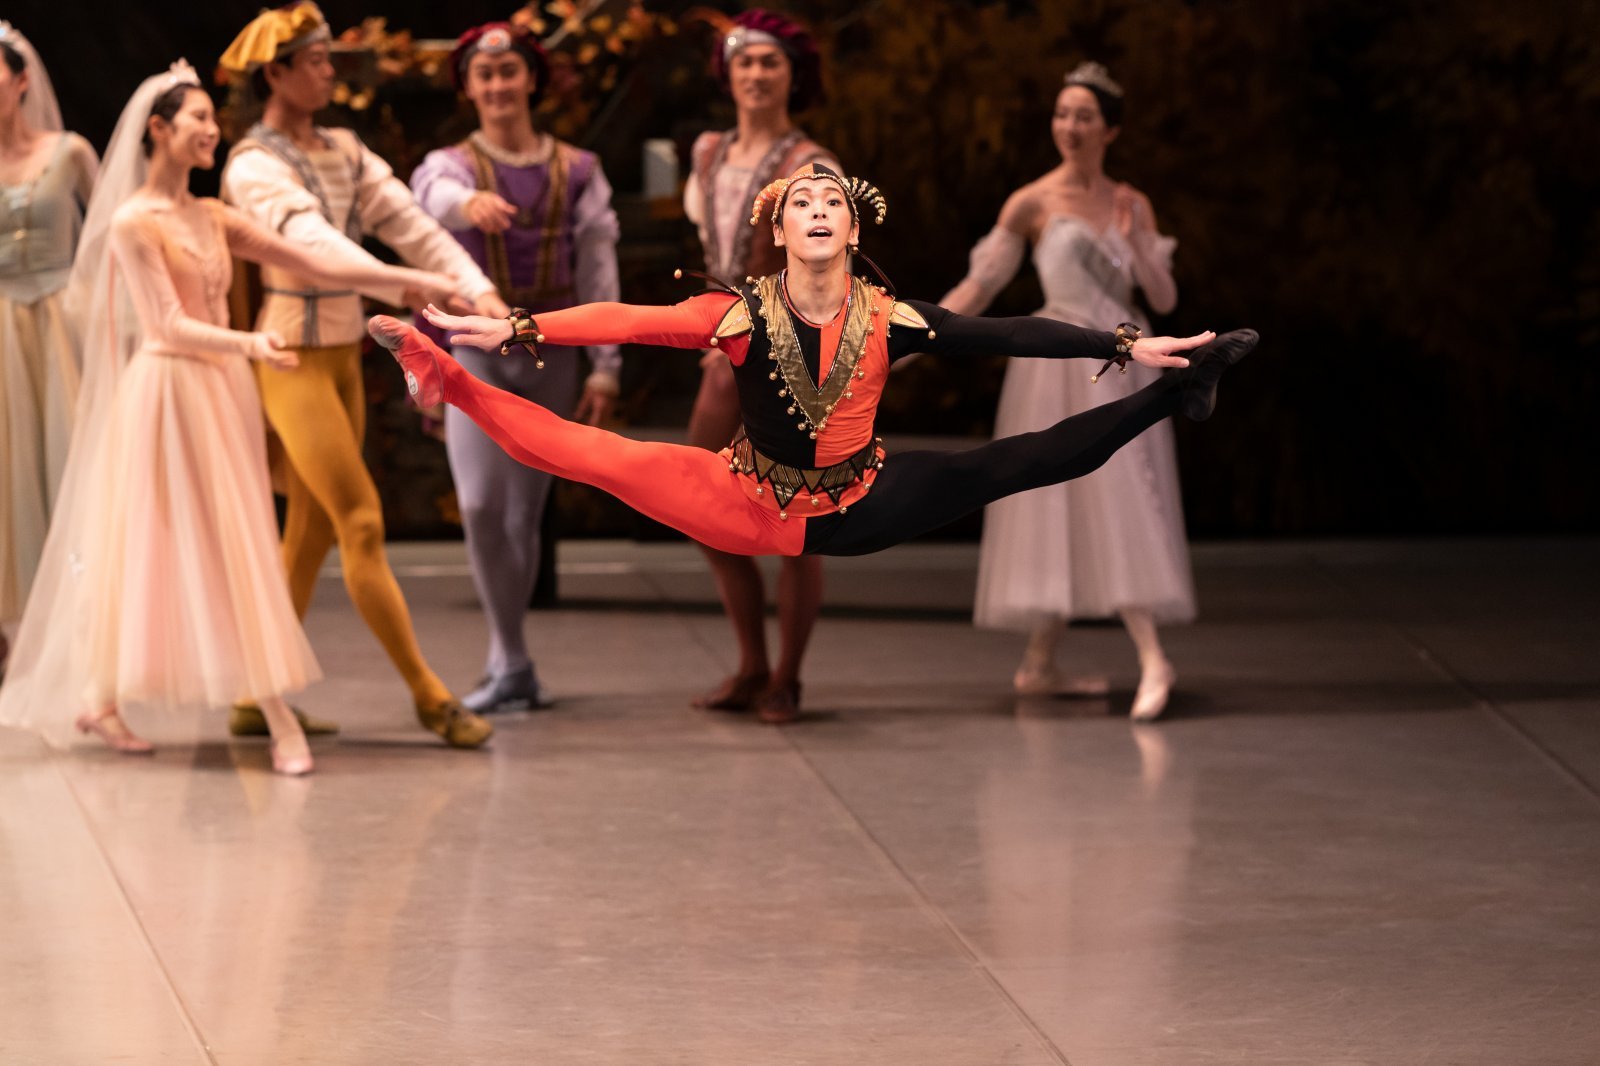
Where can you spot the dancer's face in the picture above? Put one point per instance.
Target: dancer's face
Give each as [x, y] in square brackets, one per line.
[1080, 131]
[498, 85]
[190, 138]
[759, 77]
[817, 226]
[305, 82]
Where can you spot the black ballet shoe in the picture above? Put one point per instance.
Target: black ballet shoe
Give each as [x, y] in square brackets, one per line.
[1206, 365]
[416, 355]
[506, 692]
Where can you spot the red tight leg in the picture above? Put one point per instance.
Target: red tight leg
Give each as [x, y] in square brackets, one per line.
[689, 489]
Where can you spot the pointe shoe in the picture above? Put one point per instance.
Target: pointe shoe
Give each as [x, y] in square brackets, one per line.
[1155, 686]
[1206, 365]
[246, 720]
[110, 728]
[417, 356]
[459, 727]
[518, 689]
[736, 693]
[779, 706]
[1033, 681]
[291, 765]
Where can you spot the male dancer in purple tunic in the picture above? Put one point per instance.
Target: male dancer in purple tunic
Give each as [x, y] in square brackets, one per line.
[536, 215]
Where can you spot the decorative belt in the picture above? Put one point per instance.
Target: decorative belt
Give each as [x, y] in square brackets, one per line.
[309, 334]
[787, 481]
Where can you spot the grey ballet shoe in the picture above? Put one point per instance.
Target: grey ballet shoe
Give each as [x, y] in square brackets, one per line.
[518, 690]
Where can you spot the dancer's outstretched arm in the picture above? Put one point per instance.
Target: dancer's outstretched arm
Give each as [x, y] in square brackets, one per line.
[1041, 338]
[690, 324]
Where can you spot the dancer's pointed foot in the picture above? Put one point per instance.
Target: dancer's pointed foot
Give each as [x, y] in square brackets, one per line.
[291, 756]
[1155, 686]
[459, 727]
[109, 727]
[1206, 366]
[505, 692]
[1034, 680]
[738, 692]
[416, 354]
[246, 720]
[779, 706]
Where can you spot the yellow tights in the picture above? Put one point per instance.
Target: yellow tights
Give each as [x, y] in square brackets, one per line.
[319, 412]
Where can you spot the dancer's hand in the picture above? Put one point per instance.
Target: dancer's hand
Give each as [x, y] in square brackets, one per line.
[490, 212]
[1160, 351]
[1127, 210]
[428, 287]
[491, 306]
[268, 347]
[599, 399]
[475, 331]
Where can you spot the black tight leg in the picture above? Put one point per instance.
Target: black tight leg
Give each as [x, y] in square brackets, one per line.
[917, 492]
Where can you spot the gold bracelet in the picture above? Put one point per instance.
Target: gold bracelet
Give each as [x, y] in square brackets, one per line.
[524, 331]
[1125, 335]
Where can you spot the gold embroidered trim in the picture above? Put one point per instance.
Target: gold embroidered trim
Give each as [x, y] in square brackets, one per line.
[813, 404]
[735, 320]
[906, 315]
[787, 481]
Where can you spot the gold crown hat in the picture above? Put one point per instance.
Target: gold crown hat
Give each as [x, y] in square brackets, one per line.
[274, 34]
[856, 190]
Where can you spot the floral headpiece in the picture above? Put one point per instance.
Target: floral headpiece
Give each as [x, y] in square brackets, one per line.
[857, 191]
[494, 38]
[274, 34]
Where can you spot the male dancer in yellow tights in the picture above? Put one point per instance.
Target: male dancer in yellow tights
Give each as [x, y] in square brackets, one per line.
[318, 186]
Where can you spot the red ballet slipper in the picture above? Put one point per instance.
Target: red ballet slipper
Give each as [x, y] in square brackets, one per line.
[416, 354]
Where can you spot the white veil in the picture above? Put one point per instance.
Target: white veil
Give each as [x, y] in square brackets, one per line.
[48, 669]
[40, 108]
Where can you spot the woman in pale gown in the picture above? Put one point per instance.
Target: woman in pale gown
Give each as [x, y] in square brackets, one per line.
[1112, 543]
[46, 175]
[161, 582]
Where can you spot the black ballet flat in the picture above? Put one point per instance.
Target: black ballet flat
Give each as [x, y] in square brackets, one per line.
[1206, 366]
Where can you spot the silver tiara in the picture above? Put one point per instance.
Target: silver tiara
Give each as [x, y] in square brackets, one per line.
[181, 73]
[1095, 76]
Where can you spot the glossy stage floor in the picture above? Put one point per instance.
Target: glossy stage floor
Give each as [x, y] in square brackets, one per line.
[1369, 832]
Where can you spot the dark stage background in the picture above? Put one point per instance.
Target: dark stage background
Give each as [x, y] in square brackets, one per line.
[1401, 197]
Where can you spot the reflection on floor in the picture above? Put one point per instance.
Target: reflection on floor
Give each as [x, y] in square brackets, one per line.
[1369, 832]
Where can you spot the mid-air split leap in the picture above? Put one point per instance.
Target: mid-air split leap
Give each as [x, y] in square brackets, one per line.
[811, 349]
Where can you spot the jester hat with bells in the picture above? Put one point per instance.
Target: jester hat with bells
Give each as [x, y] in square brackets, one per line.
[858, 193]
[276, 33]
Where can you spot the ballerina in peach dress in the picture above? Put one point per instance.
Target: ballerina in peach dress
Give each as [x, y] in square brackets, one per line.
[161, 582]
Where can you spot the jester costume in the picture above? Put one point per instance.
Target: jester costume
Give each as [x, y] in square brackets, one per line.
[806, 474]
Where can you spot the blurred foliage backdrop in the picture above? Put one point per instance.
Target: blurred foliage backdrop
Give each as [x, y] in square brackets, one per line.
[1400, 196]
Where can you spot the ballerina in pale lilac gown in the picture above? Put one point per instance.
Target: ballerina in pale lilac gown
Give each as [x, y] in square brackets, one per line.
[1110, 544]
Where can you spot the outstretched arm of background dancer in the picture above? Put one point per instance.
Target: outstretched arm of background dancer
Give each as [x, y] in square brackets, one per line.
[690, 324]
[1029, 337]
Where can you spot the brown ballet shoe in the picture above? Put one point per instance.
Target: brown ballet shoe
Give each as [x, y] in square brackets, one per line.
[459, 727]
[417, 357]
[779, 706]
[246, 720]
[109, 727]
[736, 693]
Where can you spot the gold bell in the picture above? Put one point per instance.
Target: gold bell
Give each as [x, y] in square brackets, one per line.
[713, 342]
[772, 376]
[783, 515]
[677, 275]
[843, 508]
[815, 502]
[932, 335]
